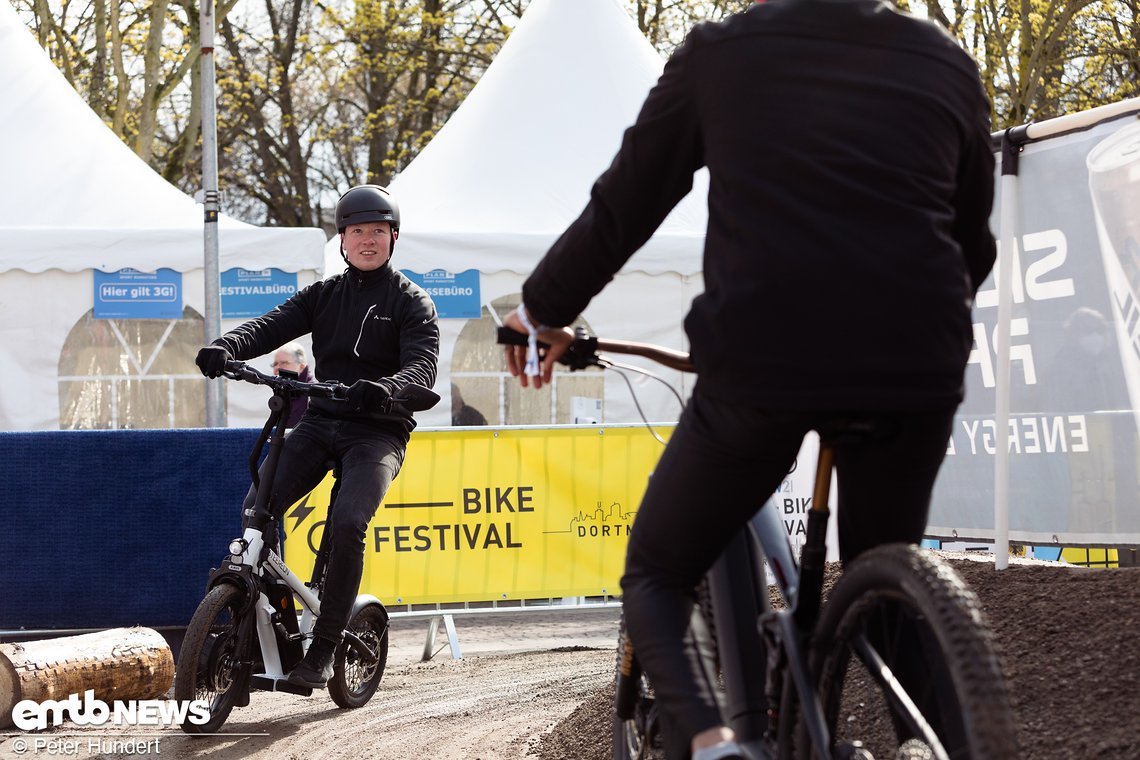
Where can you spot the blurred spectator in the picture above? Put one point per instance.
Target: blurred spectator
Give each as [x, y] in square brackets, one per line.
[461, 413]
[291, 357]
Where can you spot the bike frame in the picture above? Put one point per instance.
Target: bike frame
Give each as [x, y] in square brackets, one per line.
[258, 565]
[738, 585]
[738, 589]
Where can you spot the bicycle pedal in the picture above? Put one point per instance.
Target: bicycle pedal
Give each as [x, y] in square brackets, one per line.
[853, 751]
[760, 749]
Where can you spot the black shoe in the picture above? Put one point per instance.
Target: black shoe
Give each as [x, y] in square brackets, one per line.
[317, 668]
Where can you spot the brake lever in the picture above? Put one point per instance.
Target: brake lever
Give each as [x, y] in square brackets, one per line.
[337, 391]
[581, 353]
[235, 370]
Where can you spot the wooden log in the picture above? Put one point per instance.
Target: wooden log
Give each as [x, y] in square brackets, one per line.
[120, 663]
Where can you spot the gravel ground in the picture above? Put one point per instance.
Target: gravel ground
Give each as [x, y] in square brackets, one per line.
[538, 685]
[1069, 639]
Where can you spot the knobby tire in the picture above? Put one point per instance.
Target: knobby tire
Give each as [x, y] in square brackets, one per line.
[355, 676]
[209, 663]
[923, 620]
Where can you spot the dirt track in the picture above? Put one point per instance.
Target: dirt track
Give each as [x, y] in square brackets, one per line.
[521, 673]
[535, 685]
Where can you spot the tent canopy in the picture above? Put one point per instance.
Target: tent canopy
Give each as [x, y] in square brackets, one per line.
[513, 166]
[76, 198]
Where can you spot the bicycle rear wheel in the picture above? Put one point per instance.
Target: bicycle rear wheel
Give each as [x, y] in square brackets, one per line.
[209, 663]
[907, 607]
[356, 675]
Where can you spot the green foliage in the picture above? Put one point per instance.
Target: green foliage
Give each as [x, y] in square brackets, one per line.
[1045, 58]
[315, 97]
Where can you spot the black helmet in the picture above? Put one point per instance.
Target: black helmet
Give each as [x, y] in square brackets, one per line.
[367, 203]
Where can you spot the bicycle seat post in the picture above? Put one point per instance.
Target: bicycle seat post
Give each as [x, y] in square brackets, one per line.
[814, 552]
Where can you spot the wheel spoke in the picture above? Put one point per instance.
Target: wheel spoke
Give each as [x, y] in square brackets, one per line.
[900, 701]
[210, 665]
[902, 658]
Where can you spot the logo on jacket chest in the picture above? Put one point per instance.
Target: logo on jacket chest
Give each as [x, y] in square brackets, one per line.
[370, 316]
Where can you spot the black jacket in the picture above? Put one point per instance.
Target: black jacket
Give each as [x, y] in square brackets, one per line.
[376, 325]
[851, 181]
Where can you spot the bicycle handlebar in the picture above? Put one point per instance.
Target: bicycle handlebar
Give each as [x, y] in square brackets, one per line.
[413, 398]
[584, 350]
[236, 370]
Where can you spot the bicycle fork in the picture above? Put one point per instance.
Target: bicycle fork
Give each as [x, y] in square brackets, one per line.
[628, 681]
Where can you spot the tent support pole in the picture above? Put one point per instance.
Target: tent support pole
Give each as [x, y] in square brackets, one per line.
[211, 201]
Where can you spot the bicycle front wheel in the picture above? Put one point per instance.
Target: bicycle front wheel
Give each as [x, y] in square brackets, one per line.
[637, 734]
[901, 607]
[210, 661]
[356, 674]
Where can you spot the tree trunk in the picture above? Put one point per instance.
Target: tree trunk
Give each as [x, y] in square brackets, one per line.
[152, 75]
[120, 663]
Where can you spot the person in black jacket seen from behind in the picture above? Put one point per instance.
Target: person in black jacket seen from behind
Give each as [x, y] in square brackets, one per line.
[851, 180]
[376, 331]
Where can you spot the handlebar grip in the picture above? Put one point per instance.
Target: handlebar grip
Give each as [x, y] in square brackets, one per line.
[233, 365]
[508, 337]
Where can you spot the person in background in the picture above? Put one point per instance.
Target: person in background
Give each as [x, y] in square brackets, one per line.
[291, 357]
[461, 413]
[375, 331]
[850, 184]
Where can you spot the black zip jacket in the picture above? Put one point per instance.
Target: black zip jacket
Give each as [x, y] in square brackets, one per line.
[376, 325]
[851, 181]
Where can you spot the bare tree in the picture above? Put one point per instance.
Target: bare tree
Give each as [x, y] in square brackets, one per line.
[316, 97]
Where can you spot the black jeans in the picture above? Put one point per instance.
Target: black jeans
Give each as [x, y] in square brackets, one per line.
[721, 464]
[370, 460]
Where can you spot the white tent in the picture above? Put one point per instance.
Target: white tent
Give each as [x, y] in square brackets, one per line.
[74, 200]
[514, 165]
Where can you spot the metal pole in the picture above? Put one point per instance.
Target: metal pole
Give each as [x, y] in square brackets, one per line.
[1009, 236]
[211, 202]
[1082, 120]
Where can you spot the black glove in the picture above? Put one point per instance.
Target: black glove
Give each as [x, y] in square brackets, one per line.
[367, 396]
[212, 360]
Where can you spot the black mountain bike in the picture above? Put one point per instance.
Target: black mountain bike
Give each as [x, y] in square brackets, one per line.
[246, 633]
[809, 678]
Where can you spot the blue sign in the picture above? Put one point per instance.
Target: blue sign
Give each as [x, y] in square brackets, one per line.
[131, 294]
[456, 296]
[253, 292]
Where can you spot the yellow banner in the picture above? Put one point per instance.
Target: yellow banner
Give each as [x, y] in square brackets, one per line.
[476, 515]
